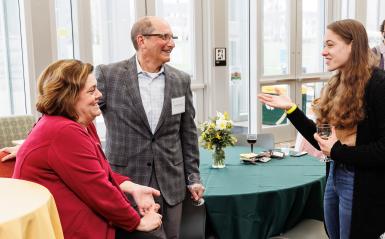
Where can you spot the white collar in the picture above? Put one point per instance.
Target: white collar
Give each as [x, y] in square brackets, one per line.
[140, 70]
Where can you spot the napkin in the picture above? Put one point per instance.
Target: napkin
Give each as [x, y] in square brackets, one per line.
[253, 158]
[248, 156]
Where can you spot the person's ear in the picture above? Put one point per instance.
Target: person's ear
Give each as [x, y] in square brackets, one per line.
[140, 40]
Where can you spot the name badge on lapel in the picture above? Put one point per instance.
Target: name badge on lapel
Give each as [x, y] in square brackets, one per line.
[177, 105]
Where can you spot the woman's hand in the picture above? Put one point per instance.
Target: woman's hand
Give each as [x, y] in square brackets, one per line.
[143, 196]
[280, 101]
[150, 222]
[12, 152]
[326, 145]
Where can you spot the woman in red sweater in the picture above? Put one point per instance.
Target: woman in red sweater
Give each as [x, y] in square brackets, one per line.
[63, 153]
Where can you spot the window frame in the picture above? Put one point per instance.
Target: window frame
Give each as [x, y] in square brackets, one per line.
[295, 77]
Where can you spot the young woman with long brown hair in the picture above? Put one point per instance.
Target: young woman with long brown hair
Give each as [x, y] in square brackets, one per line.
[352, 102]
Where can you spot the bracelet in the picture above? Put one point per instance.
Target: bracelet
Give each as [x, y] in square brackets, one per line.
[289, 111]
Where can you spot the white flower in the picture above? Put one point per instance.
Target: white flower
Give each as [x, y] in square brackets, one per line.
[203, 126]
[220, 116]
[220, 124]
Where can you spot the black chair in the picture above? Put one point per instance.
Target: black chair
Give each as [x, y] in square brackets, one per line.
[265, 141]
[193, 220]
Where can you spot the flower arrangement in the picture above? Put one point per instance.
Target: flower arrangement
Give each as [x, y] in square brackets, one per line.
[216, 135]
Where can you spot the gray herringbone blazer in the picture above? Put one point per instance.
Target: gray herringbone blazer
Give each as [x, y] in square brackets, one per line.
[131, 148]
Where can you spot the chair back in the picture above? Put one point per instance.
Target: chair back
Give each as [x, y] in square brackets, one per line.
[265, 141]
[14, 128]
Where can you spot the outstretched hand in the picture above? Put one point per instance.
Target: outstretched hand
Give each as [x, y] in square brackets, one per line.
[280, 100]
[143, 196]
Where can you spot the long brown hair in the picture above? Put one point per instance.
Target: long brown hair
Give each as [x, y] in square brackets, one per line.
[342, 99]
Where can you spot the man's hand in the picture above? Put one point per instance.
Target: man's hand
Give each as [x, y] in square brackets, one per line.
[196, 191]
[12, 151]
[143, 196]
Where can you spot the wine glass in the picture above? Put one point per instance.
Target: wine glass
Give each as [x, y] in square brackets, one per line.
[194, 181]
[251, 139]
[324, 131]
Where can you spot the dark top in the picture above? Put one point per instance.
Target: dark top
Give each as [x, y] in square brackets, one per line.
[367, 158]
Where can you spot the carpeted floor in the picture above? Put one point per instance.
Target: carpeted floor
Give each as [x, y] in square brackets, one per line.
[306, 229]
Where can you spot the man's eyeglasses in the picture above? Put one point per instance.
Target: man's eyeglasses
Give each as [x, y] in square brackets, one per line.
[165, 37]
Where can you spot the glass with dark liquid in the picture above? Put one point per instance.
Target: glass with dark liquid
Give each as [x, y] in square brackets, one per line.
[251, 139]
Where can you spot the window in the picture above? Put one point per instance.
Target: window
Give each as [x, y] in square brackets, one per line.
[348, 9]
[111, 30]
[180, 15]
[111, 36]
[14, 88]
[309, 92]
[313, 25]
[64, 33]
[290, 50]
[280, 32]
[276, 37]
[184, 17]
[375, 14]
[239, 61]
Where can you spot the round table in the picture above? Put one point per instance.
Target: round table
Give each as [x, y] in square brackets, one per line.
[27, 210]
[262, 200]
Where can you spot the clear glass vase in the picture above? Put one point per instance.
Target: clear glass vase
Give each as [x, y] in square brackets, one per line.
[218, 158]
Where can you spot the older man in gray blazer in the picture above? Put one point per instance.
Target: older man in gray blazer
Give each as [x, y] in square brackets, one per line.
[148, 111]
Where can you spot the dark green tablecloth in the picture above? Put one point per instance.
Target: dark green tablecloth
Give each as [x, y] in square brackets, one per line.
[259, 201]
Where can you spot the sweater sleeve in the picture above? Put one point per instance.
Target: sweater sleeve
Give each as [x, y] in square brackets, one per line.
[304, 125]
[73, 157]
[119, 178]
[372, 152]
